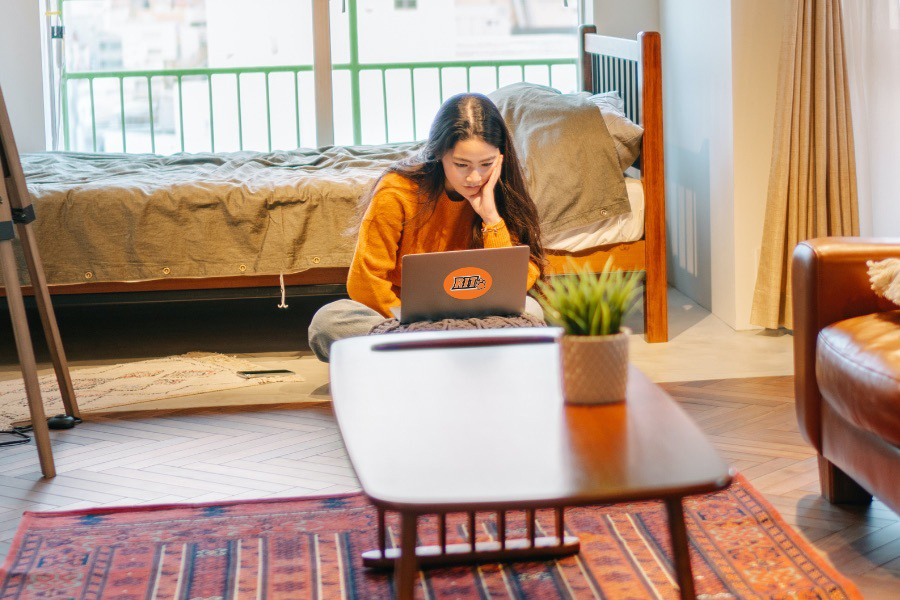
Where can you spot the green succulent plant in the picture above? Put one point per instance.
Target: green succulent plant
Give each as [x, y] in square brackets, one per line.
[586, 303]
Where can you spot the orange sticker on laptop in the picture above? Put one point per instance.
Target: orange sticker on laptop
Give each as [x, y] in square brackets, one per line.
[467, 283]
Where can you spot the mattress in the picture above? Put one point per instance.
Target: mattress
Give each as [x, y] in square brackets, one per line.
[628, 227]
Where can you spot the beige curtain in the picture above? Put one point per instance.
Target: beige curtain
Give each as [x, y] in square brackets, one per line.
[812, 181]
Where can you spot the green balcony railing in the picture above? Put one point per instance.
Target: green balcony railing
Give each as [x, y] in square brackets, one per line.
[171, 82]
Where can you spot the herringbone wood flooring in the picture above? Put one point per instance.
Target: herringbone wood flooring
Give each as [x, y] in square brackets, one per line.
[293, 450]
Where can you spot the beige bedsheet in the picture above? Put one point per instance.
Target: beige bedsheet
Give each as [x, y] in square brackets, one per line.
[114, 217]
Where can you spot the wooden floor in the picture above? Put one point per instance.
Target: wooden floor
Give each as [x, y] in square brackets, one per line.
[292, 450]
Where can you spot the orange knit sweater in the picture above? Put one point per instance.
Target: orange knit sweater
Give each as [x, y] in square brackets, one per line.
[390, 230]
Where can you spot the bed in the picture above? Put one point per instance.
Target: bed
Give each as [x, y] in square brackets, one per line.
[250, 224]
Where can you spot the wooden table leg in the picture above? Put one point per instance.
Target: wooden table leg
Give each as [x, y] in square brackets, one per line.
[680, 551]
[406, 566]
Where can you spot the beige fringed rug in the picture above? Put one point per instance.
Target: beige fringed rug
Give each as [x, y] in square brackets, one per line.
[99, 388]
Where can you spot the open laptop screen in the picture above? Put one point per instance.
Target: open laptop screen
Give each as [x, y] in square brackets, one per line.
[464, 283]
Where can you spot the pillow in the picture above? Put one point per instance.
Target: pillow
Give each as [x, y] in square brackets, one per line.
[884, 276]
[625, 133]
[570, 162]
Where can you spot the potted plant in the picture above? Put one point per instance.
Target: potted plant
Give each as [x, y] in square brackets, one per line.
[591, 308]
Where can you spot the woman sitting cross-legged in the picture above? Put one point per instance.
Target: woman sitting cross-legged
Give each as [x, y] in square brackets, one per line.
[465, 189]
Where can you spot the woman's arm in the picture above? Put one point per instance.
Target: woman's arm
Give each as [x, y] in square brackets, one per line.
[498, 236]
[376, 252]
[494, 230]
[484, 203]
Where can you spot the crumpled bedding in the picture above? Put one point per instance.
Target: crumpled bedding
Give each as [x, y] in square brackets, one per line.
[125, 217]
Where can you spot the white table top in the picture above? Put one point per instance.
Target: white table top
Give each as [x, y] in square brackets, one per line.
[477, 419]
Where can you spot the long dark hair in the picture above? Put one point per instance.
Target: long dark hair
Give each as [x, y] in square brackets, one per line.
[462, 117]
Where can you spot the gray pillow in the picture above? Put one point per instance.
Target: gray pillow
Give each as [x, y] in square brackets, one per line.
[570, 162]
[625, 133]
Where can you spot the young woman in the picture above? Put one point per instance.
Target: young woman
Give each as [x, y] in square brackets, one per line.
[465, 189]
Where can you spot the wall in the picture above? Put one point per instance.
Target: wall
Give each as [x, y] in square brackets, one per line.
[696, 48]
[625, 19]
[757, 27]
[21, 72]
[720, 65]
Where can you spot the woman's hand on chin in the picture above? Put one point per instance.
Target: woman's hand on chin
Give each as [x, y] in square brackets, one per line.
[483, 201]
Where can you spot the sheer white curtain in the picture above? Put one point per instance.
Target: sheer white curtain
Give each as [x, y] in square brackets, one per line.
[872, 44]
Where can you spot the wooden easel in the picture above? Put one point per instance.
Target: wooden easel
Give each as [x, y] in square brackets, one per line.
[16, 208]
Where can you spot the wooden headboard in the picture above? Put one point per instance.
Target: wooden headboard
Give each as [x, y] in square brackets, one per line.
[633, 68]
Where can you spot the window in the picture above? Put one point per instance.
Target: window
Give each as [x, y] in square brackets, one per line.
[218, 75]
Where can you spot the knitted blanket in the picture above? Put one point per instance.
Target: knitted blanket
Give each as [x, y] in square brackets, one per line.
[492, 322]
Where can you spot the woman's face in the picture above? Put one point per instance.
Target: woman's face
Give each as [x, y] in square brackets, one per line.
[468, 165]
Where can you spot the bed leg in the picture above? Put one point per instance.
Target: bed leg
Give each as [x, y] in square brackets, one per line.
[656, 307]
[653, 175]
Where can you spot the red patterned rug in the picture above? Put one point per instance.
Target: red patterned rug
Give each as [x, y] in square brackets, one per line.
[310, 547]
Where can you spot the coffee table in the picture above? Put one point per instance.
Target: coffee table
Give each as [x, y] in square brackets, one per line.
[466, 421]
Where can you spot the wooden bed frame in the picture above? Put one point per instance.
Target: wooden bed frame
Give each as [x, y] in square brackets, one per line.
[632, 67]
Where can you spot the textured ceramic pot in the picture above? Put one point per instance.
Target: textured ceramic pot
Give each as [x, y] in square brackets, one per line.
[595, 368]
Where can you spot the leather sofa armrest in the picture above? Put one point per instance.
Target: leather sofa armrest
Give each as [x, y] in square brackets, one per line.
[830, 283]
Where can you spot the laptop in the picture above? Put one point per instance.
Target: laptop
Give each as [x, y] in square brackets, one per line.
[460, 284]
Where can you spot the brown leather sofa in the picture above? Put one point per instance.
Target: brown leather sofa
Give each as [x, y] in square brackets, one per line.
[847, 368]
